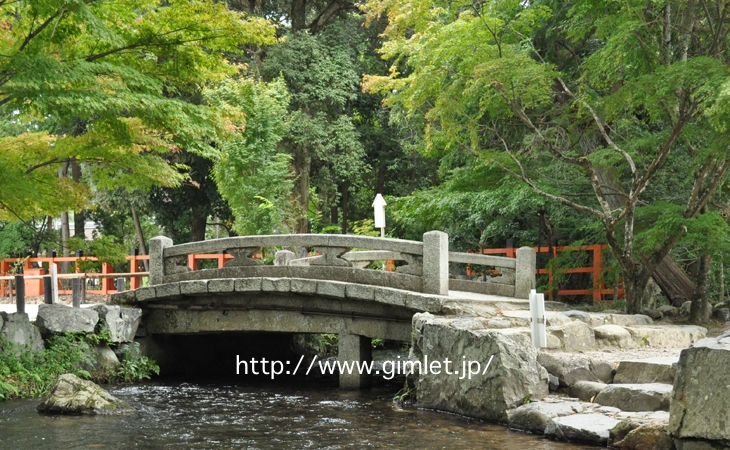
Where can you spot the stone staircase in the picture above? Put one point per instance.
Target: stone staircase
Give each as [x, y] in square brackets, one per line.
[637, 394]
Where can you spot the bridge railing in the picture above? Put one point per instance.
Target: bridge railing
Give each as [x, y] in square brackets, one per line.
[422, 266]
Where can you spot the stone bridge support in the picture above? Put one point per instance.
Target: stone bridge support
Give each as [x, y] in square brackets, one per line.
[353, 350]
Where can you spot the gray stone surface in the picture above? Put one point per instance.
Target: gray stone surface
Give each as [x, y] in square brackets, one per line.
[684, 309]
[353, 349]
[525, 272]
[636, 397]
[613, 336]
[72, 395]
[649, 436]
[57, 319]
[571, 368]
[104, 358]
[648, 370]
[669, 310]
[655, 314]
[698, 444]
[590, 428]
[629, 319]
[501, 385]
[534, 416]
[666, 336]
[436, 263]
[282, 257]
[586, 390]
[17, 329]
[157, 246]
[574, 335]
[701, 401]
[122, 322]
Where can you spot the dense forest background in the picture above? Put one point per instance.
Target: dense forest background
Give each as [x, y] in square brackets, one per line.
[583, 122]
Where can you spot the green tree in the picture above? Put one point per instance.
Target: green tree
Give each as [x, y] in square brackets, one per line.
[101, 78]
[598, 98]
[252, 173]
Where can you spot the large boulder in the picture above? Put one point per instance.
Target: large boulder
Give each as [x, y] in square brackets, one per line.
[17, 329]
[534, 416]
[59, 319]
[508, 370]
[571, 368]
[72, 395]
[122, 322]
[586, 391]
[701, 402]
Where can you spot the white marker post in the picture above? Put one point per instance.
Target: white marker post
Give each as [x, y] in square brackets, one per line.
[54, 283]
[379, 207]
[537, 319]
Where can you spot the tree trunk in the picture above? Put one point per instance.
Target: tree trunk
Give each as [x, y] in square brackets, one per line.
[298, 15]
[65, 231]
[140, 237]
[79, 216]
[197, 227]
[673, 281]
[345, 200]
[699, 295]
[302, 165]
[634, 286]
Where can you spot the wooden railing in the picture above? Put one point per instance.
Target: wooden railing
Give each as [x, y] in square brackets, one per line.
[598, 289]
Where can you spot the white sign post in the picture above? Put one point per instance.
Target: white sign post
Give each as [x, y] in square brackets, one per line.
[54, 283]
[379, 207]
[537, 319]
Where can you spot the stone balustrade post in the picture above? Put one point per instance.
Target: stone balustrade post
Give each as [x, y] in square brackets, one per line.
[436, 263]
[157, 266]
[525, 272]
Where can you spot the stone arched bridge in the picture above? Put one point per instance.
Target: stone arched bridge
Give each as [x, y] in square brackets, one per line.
[333, 292]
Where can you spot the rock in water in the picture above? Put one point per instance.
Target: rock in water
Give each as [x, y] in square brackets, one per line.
[700, 405]
[512, 377]
[72, 395]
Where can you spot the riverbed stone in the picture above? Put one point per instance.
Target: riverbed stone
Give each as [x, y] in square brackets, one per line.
[59, 319]
[699, 444]
[72, 395]
[649, 436]
[701, 401]
[586, 391]
[534, 416]
[571, 368]
[613, 336]
[122, 322]
[590, 428]
[647, 370]
[574, 335]
[636, 397]
[669, 310]
[17, 329]
[512, 376]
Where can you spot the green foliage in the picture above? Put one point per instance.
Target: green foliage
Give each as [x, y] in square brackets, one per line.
[134, 366]
[105, 248]
[102, 83]
[31, 374]
[322, 345]
[252, 174]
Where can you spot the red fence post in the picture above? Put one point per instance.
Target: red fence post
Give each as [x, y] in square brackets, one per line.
[597, 271]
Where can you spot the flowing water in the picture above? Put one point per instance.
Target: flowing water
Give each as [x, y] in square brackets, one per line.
[203, 415]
